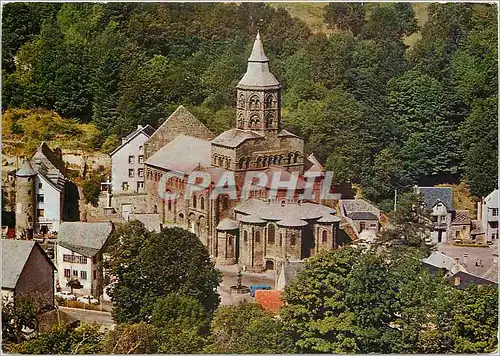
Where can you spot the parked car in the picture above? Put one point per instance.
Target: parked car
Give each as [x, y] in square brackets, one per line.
[254, 288]
[65, 295]
[88, 299]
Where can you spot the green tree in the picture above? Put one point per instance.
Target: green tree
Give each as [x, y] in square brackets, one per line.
[345, 16]
[229, 325]
[479, 144]
[185, 269]
[316, 314]
[266, 335]
[140, 338]
[62, 340]
[475, 320]
[18, 316]
[411, 225]
[179, 311]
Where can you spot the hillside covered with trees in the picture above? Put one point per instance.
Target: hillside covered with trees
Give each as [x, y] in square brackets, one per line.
[379, 114]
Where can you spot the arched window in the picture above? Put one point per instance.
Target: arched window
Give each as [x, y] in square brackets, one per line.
[202, 203]
[292, 240]
[193, 203]
[169, 205]
[269, 102]
[254, 102]
[155, 209]
[225, 202]
[241, 101]
[257, 237]
[270, 120]
[241, 165]
[324, 237]
[220, 161]
[215, 160]
[271, 231]
[245, 236]
[227, 163]
[181, 217]
[281, 240]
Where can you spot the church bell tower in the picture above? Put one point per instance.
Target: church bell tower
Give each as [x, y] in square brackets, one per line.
[258, 106]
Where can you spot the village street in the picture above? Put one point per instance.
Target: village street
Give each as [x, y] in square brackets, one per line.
[248, 279]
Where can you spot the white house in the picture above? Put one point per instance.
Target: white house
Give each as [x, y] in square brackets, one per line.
[79, 256]
[49, 189]
[488, 215]
[49, 203]
[440, 204]
[127, 162]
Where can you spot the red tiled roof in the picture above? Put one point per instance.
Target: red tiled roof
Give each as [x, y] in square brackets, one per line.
[269, 300]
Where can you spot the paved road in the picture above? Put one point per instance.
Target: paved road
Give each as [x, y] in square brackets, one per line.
[86, 316]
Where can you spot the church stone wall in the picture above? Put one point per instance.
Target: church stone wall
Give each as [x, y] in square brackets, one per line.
[181, 122]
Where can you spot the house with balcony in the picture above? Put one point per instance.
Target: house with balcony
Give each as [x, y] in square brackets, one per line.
[487, 213]
[439, 202]
[79, 256]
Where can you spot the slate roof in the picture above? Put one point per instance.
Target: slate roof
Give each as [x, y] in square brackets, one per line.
[462, 217]
[313, 165]
[441, 260]
[286, 133]
[258, 75]
[329, 219]
[48, 157]
[492, 199]
[183, 154]
[83, 237]
[146, 130]
[275, 211]
[291, 222]
[15, 254]
[433, 195]
[252, 219]
[362, 215]
[26, 170]
[235, 137]
[353, 207]
[467, 278]
[227, 225]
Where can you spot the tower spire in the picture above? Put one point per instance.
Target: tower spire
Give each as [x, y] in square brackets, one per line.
[258, 75]
[258, 54]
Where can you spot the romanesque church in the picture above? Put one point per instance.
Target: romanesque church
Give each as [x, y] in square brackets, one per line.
[258, 233]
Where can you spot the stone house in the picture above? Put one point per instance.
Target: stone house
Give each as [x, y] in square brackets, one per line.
[27, 271]
[439, 202]
[127, 162]
[79, 256]
[487, 213]
[364, 216]
[40, 192]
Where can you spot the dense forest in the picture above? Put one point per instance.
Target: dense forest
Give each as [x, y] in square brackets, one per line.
[380, 114]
